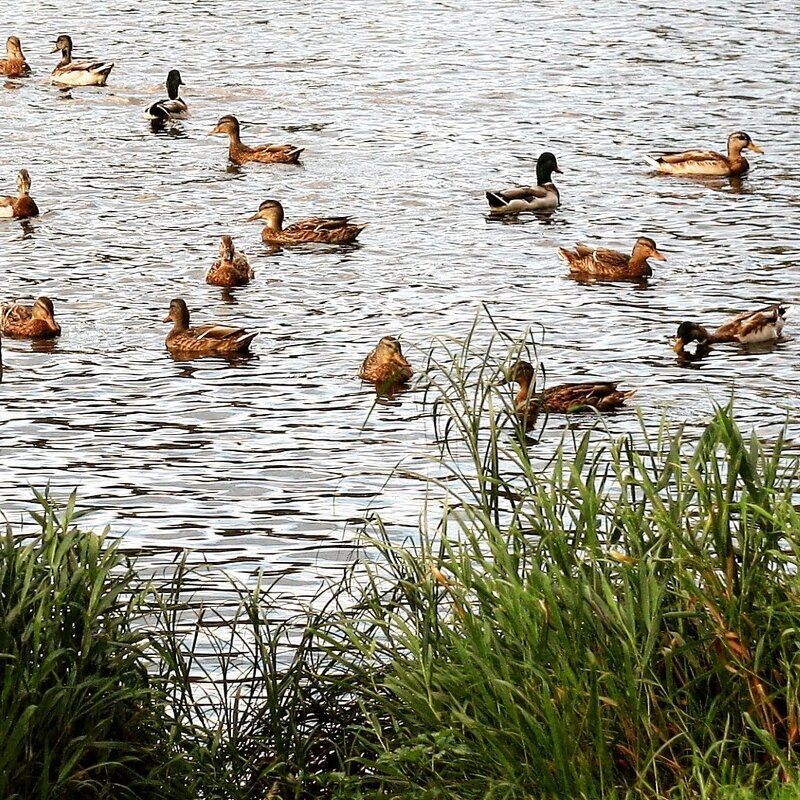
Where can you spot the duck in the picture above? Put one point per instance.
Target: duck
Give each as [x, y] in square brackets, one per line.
[564, 398]
[240, 153]
[385, 366]
[23, 205]
[604, 263]
[328, 230]
[29, 322]
[173, 108]
[14, 64]
[203, 340]
[78, 73]
[542, 197]
[749, 327]
[231, 268]
[708, 162]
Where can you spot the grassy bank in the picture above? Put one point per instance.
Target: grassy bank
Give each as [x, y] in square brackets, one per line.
[622, 623]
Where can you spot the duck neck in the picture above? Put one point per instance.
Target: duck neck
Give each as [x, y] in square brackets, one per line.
[180, 322]
[66, 57]
[522, 395]
[638, 260]
[544, 174]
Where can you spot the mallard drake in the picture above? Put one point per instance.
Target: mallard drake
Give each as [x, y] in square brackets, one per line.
[564, 398]
[707, 162]
[385, 366]
[240, 153]
[605, 263]
[29, 322]
[14, 64]
[203, 340]
[542, 197]
[78, 73]
[23, 205]
[749, 327]
[173, 108]
[330, 230]
[231, 268]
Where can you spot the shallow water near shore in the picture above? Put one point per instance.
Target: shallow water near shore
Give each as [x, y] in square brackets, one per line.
[407, 113]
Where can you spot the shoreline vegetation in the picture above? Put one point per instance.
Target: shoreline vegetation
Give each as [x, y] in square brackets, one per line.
[624, 622]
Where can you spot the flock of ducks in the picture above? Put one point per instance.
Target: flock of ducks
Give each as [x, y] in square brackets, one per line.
[385, 366]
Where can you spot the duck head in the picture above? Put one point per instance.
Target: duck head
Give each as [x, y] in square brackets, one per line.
[690, 332]
[739, 141]
[173, 82]
[546, 165]
[23, 182]
[226, 249]
[227, 126]
[645, 247]
[64, 44]
[271, 212]
[178, 314]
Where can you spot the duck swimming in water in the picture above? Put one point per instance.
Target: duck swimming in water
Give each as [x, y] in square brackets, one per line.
[542, 197]
[173, 108]
[564, 398]
[23, 205]
[708, 162]
[240, 153]
[29, 322]
[604, 263]
[203, 340]
[231, 268]
[78, 73]
[749, 327]
[385, 366]
[326, 230]
[14, 64]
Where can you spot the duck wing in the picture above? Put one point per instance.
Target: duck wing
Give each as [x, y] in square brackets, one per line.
[317, 224]
[213, 331]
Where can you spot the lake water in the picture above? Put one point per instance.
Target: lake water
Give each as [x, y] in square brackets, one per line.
[408, 112]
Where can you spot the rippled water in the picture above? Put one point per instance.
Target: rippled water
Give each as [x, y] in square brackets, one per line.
[407, 112]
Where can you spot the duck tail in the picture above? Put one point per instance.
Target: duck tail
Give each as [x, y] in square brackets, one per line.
[495, 200]
[653, 162]
[564, 255]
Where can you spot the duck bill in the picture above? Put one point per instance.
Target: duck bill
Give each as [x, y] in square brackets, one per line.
[679, 346]
[558, 171]
[55, 49]
[168, 318]
[214, 132]
[502, 381]
[658, 256]
[754, 147]
[254, 218]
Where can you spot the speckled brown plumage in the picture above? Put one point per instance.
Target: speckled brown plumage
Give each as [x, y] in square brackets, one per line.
[385, 366]
[231, 268]
[326, 230]
[604, 263]
[22, 205]
[240, 153]
[14, 64]
[203, 340]
[564, 398]
[29, 322]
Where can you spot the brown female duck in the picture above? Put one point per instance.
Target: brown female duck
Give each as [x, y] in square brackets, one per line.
[240, 153]
[564, 398]
[23, 205]
[14, 64]
[749, 327]
[29, 322]
[603, 263]
[327, 230]
[203, 340]
[231, 268]
[385, 366]
[708, 162]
